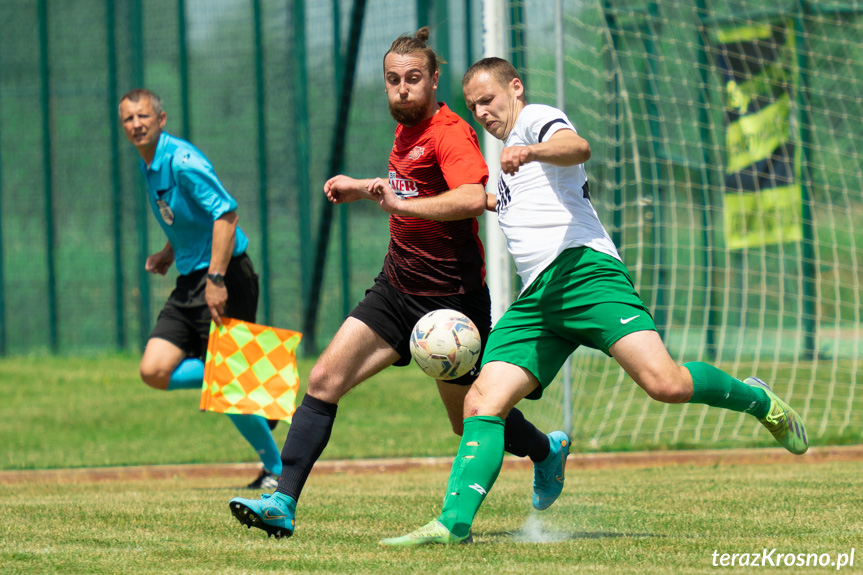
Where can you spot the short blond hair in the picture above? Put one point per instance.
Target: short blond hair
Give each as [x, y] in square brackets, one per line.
[138, 93]
[502, 71]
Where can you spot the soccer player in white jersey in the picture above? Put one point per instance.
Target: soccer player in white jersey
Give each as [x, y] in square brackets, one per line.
[576, 292]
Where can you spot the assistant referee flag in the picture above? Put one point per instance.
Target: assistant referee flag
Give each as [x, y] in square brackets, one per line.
[251, 369]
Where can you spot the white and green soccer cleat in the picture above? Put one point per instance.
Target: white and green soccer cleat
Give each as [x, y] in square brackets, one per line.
[782, 421]
[428, 534]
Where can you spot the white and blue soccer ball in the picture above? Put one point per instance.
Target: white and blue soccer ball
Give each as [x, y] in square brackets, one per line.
[445, 344]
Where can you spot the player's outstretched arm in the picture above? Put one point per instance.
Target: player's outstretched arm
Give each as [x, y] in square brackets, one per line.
[343, 189]
[463, 202]
[563, 148]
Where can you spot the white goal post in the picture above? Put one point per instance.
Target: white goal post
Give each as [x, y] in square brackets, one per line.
[498, 262]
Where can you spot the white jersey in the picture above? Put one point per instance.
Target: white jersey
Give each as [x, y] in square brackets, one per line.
[545, 209]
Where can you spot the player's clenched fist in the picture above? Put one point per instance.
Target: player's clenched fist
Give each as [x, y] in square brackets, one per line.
[159, 262]
[343, 189]
[511, 159]
[383, 193]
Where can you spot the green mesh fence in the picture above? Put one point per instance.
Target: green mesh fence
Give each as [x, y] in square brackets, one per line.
[75, 228]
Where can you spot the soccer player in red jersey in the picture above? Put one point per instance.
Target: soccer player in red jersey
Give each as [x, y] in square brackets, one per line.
[434, 192]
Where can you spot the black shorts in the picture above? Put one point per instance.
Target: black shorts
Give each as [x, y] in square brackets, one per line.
[185, 319]
[392, 315]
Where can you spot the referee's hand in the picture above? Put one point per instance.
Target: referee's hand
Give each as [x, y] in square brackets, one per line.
[159, 262]
[217, 298]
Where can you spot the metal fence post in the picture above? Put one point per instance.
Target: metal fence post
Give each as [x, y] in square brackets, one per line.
[47, 153]
[260, 94]
[344, 229]
[116, 186]
[337, 152]
[301, 149]
[2, 275]
[136, 43]
[183, 47]
[804, 120]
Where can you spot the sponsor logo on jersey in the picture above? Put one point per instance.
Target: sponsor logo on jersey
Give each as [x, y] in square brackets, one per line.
[503, 196]
[416, 153]
[165, 210]
[403, 187]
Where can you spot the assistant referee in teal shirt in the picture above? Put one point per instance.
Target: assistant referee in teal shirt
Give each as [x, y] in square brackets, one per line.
[216, 278]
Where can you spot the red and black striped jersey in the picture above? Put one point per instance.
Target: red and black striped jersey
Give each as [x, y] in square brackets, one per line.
[427, 257]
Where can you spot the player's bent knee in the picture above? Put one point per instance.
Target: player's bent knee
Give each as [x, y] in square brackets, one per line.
[483, 408]
[154, 377]
[490, 401]
[326, 385]
[318, 378]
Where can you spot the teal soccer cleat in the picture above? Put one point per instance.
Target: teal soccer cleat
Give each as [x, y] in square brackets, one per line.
[433, 532]
[272, 513]
[548, 475]
[782, 421]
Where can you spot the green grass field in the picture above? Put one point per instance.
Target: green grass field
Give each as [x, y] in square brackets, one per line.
[62, 412]
[94, 411]
[651, 520]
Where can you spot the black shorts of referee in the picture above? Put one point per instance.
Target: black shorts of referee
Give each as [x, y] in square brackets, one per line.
[392, 314]
[185, 319]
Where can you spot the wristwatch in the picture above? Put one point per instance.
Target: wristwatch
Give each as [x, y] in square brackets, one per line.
[217, 279]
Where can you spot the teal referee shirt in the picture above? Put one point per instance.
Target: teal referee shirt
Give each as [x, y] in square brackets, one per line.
[187, 197]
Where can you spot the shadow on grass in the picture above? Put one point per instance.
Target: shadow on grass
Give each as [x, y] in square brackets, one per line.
[609, 535]
[549, 536]
[535, 530]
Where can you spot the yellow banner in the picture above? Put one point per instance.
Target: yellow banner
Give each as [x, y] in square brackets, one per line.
[756, 136]
[763, 201]
[770, 216]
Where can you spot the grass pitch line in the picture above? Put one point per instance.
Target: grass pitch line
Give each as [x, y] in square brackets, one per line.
[698, 457]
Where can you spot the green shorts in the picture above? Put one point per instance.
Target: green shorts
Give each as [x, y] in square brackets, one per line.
[583, 298]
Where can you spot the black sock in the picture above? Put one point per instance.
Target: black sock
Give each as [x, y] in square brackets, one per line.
[522, 438]
[309, 434]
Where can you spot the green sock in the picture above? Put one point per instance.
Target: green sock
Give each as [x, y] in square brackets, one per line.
[716, 388]
[474, 471]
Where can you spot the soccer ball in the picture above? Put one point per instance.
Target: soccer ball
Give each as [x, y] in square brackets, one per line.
[445, 344]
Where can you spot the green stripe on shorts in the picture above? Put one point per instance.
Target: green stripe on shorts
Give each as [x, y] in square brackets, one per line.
[583, 298]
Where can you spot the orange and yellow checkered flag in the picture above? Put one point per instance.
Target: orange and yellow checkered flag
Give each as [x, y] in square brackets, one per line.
[251, 369]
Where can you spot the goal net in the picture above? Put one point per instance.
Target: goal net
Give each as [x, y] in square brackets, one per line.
[726, 167]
